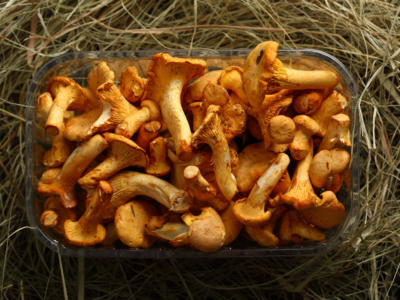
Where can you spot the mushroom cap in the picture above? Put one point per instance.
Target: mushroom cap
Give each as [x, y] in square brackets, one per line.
[233, 120]
[194, 91]
[253, 161]
[282, 129]
[302, 229]
[257, 65]
[130, 220]
[214, 94]
[329, 215]
[49, 218]
[231, 224]
[231, 79]
[307, 101]
[166, 230]
[123, 148]
[132, 84]
[306, 123]
[340, 160]
[99, 75]
[206, 231]
[77, 128]
[320, 168]
[62, 85]
[75, 234]
[155, 112]
[54, 204]
[333, 183]
[44, 104]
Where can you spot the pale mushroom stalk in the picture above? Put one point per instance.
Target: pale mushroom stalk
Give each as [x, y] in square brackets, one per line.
[201, 189]
[61, 149]
[88, 231]
[131, 124]
[211, 133]
[338, 132]
[72, 169]
[333, 105]
[301, 194]
[67, 94]
[167, 78]
[159, 164]
[305, 128]
[198, 112]
[123, 153]
[129, 184]
[251, 210]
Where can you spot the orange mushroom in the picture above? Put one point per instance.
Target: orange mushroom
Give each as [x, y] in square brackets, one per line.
[132, 84]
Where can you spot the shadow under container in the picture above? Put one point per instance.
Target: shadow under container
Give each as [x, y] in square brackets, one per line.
[78, 65]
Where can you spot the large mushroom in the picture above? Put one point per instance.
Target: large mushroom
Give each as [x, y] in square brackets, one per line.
[88, 231]
[211, 133]
[251, 210]
[63, 184]
[123, 153]
[168, 76]
[67, 94]
[60, 149]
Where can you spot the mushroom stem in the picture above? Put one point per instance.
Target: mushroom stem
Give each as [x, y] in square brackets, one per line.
[338, 131]
[49, 218]
[251, 210]
[199, 113]
[129, 184]
[201, 189]
[72, 169]
[305, 128]
[58, 214]
[159, 165]
[302, 229]
[211, 133]
[307, 101]
[147, 132]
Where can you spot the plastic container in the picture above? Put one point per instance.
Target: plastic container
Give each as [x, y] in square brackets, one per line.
[78, 65]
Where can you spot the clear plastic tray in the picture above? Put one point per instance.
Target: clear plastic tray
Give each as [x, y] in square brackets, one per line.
[78, 65]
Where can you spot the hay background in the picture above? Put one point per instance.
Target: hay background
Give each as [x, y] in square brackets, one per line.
[363, 34]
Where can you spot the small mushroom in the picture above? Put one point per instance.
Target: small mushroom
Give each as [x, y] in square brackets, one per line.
[128, 184]
[72, 170]
[130, 221]
[132, 85]
[131, 124]
[194, 91]
[199, 113]
[123, 153]
[253, 161]
[338, 132]
[231, 80]
[264, 236]
[206, 231]
[111, 235]
[159, 164]
[88, 231]
[168, 76]
[251, 210]
[115, 108]
[211, 133]
[305, 128]
[67, 94]
[326, 163]
[282, 130]
[307, 101]
[99, 75]
[61, 149]
[301, 194]
[232, 226]
[58, 214]
[300, 228]
[333, 105]
[264, 73]
[147, 132]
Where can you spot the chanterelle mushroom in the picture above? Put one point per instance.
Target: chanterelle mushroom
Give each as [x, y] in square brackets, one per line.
[206, 231]
[282, 130]
[132, 85]
[61, 149]
[338, 132]
[99, 75]
[147, 132]
[306, 102]
[333, 105]
[231, 79]
[129, 184]
[194, 91]
[263, 73]
[159, 164]
[67, 94]
[88, 231]
[132, 122]
[305, 128]
[72, 169]
[211, 133]
[232, 225]
[123, 153]
[167, 78]
[130, 221]
[251, 210]
[299, 227]
[53, 204]
[198, 112]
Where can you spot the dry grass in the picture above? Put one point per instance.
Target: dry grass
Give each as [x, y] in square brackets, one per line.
[363, 34]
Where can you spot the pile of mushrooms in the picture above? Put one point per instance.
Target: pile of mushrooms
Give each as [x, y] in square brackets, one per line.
[258, 151]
